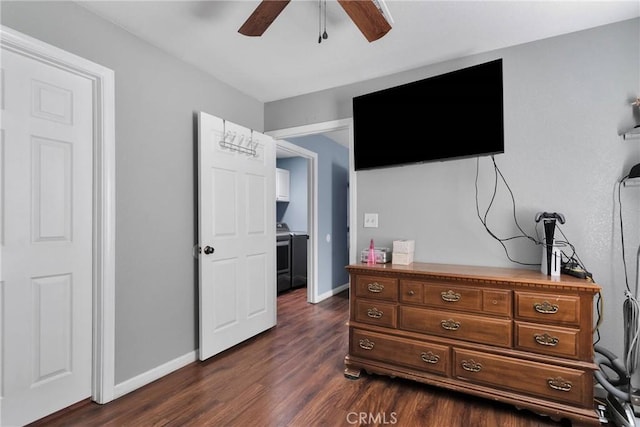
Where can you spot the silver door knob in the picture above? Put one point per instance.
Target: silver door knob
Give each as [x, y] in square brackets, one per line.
[208, 250]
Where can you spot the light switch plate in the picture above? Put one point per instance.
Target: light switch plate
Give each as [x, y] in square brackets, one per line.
[371, 220]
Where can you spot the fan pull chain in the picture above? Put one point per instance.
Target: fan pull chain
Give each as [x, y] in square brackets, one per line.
[324, 34]
[319, 20]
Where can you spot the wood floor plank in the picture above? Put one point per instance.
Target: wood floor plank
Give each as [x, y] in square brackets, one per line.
[292, 376]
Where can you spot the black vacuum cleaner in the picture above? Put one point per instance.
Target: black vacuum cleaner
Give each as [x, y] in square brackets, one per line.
[614, 378]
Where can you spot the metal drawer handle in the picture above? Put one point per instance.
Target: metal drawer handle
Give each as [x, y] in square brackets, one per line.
[546, 339]
[411, 292]
[375, 287]
[450, 296]
[374, 313]
[545, 307]
[429, 357]
[559, 384]
[450, 325]
[366, 344]
[471, 365]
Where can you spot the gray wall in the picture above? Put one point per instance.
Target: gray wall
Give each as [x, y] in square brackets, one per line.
[566, 99]
[156, 98]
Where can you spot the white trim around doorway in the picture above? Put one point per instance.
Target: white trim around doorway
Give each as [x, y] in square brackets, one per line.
[314, 129]
[312, 212]
[104, 212]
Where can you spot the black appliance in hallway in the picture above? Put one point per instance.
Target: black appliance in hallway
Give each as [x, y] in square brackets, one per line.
[283, 257]
[299, 260]
[291, 258]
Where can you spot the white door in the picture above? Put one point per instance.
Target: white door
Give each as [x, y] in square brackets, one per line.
[46, 237]
[236, 194]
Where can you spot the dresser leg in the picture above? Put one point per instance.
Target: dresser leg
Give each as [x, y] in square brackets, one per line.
[351, 373]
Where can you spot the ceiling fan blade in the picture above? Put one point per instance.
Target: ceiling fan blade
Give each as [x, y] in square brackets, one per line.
[266, 12]
[368, 18]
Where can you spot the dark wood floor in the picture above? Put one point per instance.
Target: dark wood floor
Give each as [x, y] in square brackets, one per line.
[292, 375]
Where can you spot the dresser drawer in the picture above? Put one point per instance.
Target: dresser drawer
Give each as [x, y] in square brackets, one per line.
[484, 330]
[384, 288]
[411, 291]
[565, 385]
[548, 308]
[496, 301]
[454, 297]
[376, 313]
[493, 301]
[547, 340]
[428, 357]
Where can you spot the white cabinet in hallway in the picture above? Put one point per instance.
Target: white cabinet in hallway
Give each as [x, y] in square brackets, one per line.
[282, 185]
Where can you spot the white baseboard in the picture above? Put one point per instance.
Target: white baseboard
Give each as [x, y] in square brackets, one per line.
[332, 292]
[156, 373]
[173, 365]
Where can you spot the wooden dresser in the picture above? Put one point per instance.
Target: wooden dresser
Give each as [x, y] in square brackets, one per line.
[511, 335]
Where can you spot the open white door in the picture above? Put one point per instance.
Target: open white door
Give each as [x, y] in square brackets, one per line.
[236, 223]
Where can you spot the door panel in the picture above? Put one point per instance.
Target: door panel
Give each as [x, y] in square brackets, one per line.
[236, 196]
[47, 173]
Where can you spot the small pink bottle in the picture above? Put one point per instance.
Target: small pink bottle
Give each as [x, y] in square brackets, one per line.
[371, 258]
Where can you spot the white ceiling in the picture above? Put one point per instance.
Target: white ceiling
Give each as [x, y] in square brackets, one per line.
[288, 60]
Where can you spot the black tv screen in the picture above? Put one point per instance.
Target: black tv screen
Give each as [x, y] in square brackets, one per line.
[449, 116]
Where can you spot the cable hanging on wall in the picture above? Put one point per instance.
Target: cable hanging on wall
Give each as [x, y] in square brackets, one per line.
[631, 305]
[240, 143]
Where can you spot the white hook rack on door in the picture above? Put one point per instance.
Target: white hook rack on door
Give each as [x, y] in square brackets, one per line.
[242, 145]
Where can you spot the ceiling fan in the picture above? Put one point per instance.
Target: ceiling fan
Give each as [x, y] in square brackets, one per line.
[366, 14]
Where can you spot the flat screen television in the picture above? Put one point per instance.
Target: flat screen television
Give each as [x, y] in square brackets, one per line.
[450, 116]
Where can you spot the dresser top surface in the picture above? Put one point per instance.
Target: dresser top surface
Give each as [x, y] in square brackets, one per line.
[491, 274]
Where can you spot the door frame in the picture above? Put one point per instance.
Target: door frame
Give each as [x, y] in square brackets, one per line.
[312, 212]
[314, 129]
[104, 213]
